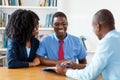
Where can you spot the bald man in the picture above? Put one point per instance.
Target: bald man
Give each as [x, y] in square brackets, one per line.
[106, 60]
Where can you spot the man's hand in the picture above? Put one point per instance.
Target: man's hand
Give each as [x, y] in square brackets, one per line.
[69, 64]
[73, 65]
[60, 69]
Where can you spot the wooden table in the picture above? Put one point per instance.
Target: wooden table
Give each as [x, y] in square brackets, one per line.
[32, 73]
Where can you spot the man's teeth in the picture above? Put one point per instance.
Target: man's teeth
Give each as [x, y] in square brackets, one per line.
[61, 30]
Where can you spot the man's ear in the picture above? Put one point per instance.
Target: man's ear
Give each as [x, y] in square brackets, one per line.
[98, 27]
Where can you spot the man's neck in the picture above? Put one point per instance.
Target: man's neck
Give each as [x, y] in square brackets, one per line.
[105, 31]
[61, 37]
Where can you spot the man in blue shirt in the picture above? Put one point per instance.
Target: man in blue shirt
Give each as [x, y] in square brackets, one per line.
[49, 46]
[106, 60]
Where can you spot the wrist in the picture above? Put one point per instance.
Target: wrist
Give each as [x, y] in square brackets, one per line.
[81, 66]
[31, 64]
[59, 61]
[64, 71]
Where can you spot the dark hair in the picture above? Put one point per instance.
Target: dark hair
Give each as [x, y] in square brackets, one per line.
[58, 14]
[21, 25]
[104, 17]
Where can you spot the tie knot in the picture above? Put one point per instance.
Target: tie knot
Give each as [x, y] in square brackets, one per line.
[61, 42]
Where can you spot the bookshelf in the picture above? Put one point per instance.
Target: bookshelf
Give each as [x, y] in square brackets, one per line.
[43, 8]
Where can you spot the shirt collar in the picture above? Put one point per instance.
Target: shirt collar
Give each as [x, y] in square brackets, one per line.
[108, 34]
[63, 39]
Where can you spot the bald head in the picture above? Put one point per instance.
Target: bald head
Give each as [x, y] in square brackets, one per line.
[104, 17]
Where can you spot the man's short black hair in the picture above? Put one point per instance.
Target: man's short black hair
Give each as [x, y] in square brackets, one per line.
[104, 17]
[58, 14]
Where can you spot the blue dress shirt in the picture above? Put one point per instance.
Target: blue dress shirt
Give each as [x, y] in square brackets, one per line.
[106, 60]
[73, 48]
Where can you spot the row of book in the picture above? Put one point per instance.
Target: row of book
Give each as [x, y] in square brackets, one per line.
[11, 2]
[48, 20]
[3, 22]
[52, 3]
[4, 17]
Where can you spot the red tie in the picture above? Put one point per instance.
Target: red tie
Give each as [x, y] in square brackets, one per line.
[61, 51]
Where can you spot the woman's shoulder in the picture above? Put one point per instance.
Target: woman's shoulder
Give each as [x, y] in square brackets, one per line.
[12, 43]
[35, 40]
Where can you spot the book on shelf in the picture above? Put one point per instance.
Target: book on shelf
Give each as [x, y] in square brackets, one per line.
[4, 17]
[11, 2]
[42, 2]
[0, 2]
[52, 3]
[48, 20]
[3, 2]
[20, 2]
[4, 41]
[0, 18]
[47, 3]
[1, 41]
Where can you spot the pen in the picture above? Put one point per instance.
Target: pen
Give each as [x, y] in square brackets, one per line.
[67, 66]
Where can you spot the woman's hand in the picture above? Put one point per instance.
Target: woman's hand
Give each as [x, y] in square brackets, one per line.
[35, 62]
